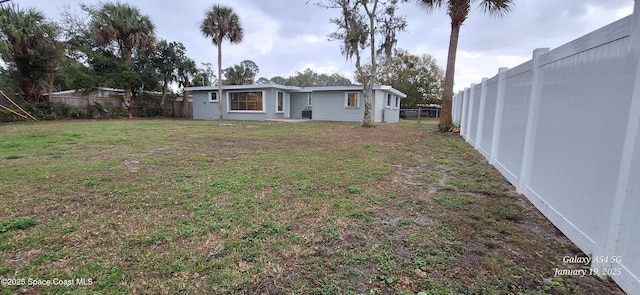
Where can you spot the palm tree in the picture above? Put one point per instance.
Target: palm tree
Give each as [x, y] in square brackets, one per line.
[186, 69]
[123, 24]
[220, 23]
[242, 74]
[29, 47]
[458, 10]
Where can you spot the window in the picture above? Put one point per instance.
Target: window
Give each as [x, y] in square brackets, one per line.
[280, 102]
[213, 96]
[310, 102]
[397, 102]
[353, 100]
[246, 101]
[388, 100]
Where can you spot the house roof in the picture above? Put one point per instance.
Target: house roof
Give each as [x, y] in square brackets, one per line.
[298, 89]
[241, 87]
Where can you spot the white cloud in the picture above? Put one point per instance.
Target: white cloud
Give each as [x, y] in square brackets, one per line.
[260, 32]
[312, 39]
[471, 67]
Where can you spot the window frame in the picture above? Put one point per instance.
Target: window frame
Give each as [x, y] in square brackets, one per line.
[210, 94]
[280, 95]
[262, 94]
[346, 100]
[396, 103]
[389, 96]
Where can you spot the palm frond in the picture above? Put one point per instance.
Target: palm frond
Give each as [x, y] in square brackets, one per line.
[496, 8]
[221, 23]
[431, 5]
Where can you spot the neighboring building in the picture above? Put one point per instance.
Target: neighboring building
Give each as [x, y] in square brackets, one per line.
[272, 101]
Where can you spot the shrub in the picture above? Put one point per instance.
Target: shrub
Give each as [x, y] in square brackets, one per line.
[97, 111]
[148, 109]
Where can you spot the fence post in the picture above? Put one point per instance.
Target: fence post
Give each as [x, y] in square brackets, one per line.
[608, 246]
[532, 119]
[465, 110]
[483, 103]
[497, 121]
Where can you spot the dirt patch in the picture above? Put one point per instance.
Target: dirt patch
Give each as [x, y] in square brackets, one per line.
[23, 257]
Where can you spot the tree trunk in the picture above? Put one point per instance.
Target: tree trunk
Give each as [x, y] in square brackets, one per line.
[164, 96]
[446, 120]
[367, 120]
[164, 91]
[185, 99]
[52, 77]
[220, 117]
[126, 99]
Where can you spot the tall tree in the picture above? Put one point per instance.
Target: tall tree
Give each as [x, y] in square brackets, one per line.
[281, 80]
[308, 78]
[458, 10]
[390, 25]
[221, 23]
[204, 77]
[186, 69]
[241, 74]
[263, 80]
[419, 77]
[148, 71]
[124, 27]
[29, 47]
[357, 29]
[167, 58]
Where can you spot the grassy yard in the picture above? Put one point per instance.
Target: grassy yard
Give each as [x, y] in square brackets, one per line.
[194, 207]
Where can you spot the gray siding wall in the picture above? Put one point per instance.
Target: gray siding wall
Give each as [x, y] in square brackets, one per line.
[391, 113]
[377, 106]
[202, 108]
[299, 102]
[269, 96]
[330, 106]
[205, 110]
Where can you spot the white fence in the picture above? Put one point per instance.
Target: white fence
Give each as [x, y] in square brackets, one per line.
[564, 129]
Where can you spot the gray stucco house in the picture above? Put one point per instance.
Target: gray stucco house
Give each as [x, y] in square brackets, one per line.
[273, 101]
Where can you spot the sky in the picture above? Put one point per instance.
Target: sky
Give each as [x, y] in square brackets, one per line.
[285, 36]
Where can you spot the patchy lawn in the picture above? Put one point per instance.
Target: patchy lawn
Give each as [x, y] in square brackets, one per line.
[167, 207]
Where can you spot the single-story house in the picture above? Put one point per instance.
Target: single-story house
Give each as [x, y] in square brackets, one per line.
[273, 101]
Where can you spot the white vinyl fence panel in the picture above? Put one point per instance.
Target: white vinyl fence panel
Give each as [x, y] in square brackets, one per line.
[564, 128]
[514, 121]
[490, 100]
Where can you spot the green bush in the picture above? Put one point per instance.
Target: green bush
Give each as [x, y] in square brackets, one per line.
[97, 111]
[59, 110]
[149, 109]
[52, 111]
